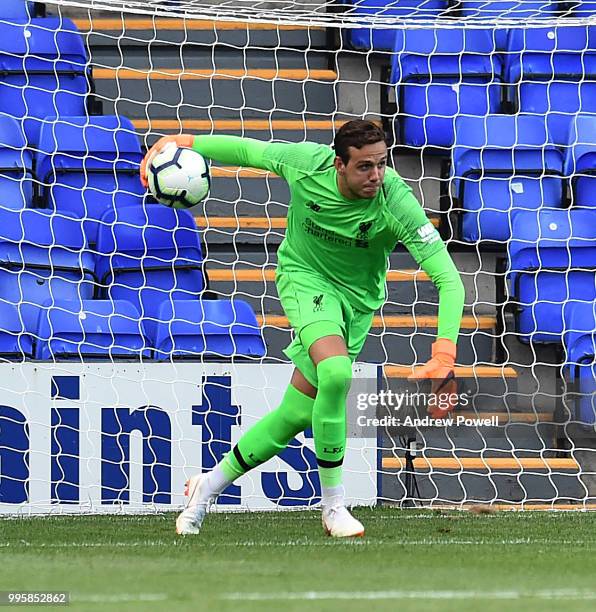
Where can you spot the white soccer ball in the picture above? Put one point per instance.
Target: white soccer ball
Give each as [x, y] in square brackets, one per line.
[178, 177]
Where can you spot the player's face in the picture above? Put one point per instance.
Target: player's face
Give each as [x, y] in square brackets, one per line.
[363, 175]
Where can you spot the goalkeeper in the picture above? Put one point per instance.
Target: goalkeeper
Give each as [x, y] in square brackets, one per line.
[347, 212]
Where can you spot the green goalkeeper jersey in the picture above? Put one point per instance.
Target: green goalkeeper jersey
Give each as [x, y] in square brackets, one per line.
[347, 241]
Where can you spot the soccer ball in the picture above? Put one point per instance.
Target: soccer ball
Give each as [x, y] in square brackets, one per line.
[178, 177]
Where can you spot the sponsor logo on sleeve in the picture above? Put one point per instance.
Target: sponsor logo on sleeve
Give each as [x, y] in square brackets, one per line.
[428, 234]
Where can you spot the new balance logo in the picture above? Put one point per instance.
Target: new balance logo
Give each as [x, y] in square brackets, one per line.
[428, 233]
[314, 207]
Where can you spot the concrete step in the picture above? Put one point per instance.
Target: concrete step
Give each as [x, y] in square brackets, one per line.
[509, 478]
[396, 338]
[289, 130]
[243, 192]
[484, 384]
[191, 56]
[265, 299]
[242, 228]
[238, 275]
[196, 94]
[257, 259]
[132, 30]
[512, 464]
[404, 288]
[398, 321]
[250, 275]
[510, 436]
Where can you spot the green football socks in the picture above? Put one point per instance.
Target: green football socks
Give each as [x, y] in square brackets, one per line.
[297, 411]
[271, 434]
[329, 418]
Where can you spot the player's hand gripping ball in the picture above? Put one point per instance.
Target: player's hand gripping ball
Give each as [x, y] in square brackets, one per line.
[176, 175]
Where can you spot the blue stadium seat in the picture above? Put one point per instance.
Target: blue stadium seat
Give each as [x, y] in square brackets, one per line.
[16, 9]
[148, 255]
[580, 332]
[503, 163]
[552, 263]
[44, 72]
[552, 73]
[580, 8]
[439, 74]
[90, 329]
[216, 328]
[16, 342]
[16, 163]
[88, 165]
[501, 9]
[580, 345]
[383, 39]
[43, 257]
[580, 162]
[509, 9]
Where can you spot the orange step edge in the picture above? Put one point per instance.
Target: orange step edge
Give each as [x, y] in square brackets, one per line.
[406, 321]
[222, 73]
[234, 124]
[235, 171]
[242, 222]
[479, 507]
[173, 23]
[268, 274]
[530, 507]
[253, 222]
[400, 371]
[474, 463]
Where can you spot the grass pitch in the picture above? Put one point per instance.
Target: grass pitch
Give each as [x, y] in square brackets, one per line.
[408, 560]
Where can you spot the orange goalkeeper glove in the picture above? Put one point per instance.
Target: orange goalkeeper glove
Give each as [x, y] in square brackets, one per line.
[441, 369]
[182, 140]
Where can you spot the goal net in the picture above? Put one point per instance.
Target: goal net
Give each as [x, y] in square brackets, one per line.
[138, 343]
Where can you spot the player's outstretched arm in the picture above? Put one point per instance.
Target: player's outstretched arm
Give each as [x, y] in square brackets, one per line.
[441, 366]
[443, 273]
[233, 150]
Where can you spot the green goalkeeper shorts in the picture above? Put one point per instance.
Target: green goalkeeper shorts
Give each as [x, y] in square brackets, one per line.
[309, 298]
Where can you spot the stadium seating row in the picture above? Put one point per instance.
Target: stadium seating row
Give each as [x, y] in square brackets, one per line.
[44, 72]
[149, 266]
[138, 293]
[440, 74]
[114, 329]
[383, 38]
[151, 257]
[146, 274]
[437, 74]
[16, 9]
[552, 264]
[85, 165]
[580, 345]
[501, 163]
[552, 275]
[505, 163]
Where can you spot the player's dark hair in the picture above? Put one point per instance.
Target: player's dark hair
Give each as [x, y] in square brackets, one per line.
[357, 133]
